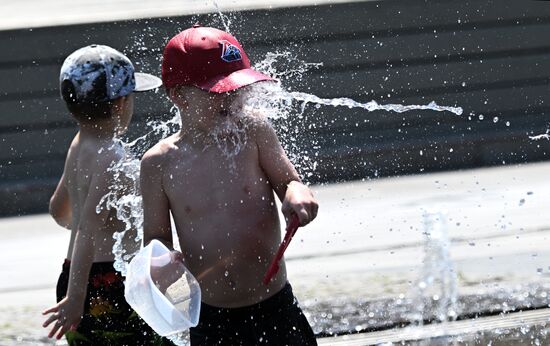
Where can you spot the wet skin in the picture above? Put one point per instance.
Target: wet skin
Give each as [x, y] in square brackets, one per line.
[82, 165]
[85, 180]
[226, 222]
[224, 209]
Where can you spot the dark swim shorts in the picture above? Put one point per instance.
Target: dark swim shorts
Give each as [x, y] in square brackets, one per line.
[107, 319]
[276, 321]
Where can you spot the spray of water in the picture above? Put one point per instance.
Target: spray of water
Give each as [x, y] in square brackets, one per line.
[259, 101]
[124, 193]
[269, 66]
[541, 136]
[230, 137]
[294, 67]
[372, 105]
[226, 21]
[123, 197]
[435, 293]
[256, 102]
[266, 101]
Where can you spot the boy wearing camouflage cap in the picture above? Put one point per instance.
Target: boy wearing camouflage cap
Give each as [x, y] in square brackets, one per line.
[97, 84]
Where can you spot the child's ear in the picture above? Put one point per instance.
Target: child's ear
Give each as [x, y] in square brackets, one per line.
[122, 105]
[173, 94]
[119, 103]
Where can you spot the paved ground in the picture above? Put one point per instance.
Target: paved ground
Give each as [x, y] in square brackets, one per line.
[39, 13]
[497, 221]
[367, 242]
[522, 328]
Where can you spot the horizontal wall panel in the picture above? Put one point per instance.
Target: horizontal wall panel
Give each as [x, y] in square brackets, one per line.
[418, 48]
[492, 58]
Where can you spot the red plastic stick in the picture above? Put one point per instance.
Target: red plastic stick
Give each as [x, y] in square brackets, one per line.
[274, 266]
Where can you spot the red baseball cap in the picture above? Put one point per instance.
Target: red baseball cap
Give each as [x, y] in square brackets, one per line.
[209, 59]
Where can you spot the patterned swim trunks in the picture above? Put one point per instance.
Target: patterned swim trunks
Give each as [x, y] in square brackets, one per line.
[107, 319]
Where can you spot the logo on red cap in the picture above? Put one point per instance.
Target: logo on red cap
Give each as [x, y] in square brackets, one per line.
[230, 52]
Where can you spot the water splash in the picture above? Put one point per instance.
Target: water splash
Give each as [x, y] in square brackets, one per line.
[258, 101]
[230, 137]
[273, 101]
[541, 136]
[226, 21]
[277, 96]
[124, 194]
[293, 67]
[265, 101]
[125, 198]
[435, 294]
[370, 106]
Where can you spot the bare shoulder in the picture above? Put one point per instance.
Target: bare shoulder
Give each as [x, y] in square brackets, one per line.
[107, 157]
[261, 130]
[157, 154]
[97, 158]
[72, 152]
[265, 137]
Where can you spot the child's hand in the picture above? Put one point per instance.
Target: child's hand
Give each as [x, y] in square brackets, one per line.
[167, 269]
[67, 314]
[300, 201]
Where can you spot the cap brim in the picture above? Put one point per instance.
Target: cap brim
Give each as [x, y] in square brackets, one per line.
[145, 82]
[235, 80]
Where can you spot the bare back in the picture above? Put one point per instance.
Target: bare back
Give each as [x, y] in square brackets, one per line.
[86, 159]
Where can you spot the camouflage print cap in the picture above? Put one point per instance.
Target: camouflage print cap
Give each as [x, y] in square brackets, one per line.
[100, 73]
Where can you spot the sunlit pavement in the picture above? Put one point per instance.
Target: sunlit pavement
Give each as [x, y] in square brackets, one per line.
[369, 236]
[366, 242]
[514, 329]
[36, 13]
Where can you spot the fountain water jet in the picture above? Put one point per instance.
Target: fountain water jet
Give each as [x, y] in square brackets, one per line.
[435, 293]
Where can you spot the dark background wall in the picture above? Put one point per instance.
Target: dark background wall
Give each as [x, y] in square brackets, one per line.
[490, 57]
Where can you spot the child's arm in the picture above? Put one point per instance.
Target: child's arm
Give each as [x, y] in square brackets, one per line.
[156, 208]
[60, 206]
[68, 312]
[296, 197]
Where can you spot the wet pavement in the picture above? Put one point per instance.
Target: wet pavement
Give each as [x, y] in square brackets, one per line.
[356, 268]
[520, 328]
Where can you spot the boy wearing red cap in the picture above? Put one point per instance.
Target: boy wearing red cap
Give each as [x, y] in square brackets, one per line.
[223, 205]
